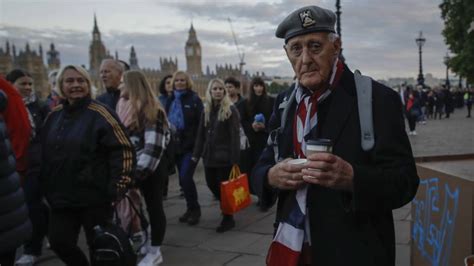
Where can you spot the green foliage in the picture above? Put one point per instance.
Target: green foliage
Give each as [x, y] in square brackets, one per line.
[276, 88]
[458, 16]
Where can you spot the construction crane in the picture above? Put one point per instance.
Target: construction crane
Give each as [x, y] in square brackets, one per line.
[240, 53]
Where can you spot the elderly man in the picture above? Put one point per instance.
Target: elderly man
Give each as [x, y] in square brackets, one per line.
[335, 209]
[111, 75]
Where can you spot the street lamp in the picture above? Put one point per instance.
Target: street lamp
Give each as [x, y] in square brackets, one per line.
[446, 61]
[338, 26]
[420, 41]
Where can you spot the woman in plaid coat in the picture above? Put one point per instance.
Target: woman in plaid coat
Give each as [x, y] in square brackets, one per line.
[147, 125]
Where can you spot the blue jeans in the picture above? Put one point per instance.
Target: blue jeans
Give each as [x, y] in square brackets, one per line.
[186, 169]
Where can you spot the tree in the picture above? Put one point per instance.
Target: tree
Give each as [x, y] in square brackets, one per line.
[276, 88]
[458, 15]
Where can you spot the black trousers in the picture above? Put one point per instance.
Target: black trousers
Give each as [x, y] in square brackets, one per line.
[411, 122]
[39, 214]
[152, 189]
[7, 258]
[214, 177]
[65, 226]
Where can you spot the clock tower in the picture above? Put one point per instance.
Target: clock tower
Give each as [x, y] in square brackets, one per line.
[193, 54]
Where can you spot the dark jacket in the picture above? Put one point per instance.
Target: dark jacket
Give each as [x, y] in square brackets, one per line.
[38, 110]
[264, 105]
[15, 226]
[89, 158]
[219, 142]
[351, 228]
[110, 98]
[192, 109]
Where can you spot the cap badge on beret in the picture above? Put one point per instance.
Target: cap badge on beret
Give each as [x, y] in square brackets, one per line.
[307, 18]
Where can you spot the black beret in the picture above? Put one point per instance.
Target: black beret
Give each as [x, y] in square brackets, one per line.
[305, 20]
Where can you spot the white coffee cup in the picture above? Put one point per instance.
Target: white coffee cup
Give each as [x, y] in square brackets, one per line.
[297, 161]
[318, 145]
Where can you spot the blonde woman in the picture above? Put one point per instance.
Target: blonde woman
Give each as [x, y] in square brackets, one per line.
[218, 141]
[184, 109]
[147, 125]
[87, 164]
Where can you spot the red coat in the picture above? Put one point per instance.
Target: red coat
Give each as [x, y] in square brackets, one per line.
[18, 124]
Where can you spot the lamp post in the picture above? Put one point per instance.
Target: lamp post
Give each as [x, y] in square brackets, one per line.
[420, 41]
[338, 26]
[446, 61]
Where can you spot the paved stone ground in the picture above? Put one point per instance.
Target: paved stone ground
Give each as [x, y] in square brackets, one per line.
[247, 244]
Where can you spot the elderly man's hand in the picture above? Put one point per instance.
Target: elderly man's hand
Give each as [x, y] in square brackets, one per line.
[284, 175]
[328, 170]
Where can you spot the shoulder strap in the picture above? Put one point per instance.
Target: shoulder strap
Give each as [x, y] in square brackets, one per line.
[286, 104]
[364, 102]
[273, 136]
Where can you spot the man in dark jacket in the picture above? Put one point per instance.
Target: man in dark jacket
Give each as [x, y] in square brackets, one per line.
[15, 226]
[111, 74]
[335, 209]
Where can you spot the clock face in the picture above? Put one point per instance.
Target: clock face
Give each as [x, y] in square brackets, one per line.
[190, 51]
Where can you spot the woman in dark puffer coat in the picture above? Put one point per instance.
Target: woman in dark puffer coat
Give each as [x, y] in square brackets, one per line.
[15, 226]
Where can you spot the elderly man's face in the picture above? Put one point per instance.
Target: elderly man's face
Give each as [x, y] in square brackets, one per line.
[110, 74]
[312, 56]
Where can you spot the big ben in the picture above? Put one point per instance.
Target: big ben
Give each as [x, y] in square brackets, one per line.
[193, 54]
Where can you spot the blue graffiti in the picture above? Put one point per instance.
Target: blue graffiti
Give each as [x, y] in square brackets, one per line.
[432, 240]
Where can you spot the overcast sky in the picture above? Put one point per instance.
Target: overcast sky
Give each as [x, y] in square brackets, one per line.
[378, 35]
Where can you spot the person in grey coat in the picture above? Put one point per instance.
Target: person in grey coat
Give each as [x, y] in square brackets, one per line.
[15, 226]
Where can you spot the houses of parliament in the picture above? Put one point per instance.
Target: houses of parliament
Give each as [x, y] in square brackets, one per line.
[33, 61]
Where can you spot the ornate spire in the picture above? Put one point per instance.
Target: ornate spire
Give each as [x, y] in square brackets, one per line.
[96, 28]
[133, 59]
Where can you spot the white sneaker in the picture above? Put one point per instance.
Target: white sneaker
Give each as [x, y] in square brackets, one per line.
[410, 133]
[414, 133]
[26, 260]
[152, 258]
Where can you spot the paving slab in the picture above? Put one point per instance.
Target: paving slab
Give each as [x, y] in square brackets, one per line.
[184, 256]
[246, 260]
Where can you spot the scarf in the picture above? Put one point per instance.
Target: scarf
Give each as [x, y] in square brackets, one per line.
[176, 116]
[124, 111]
[293, 236]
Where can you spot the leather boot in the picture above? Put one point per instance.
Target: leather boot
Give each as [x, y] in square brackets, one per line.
[227, 223]
[194, 216]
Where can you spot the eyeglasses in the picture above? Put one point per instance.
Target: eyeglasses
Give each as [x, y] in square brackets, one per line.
[179, 80]
[217, 88]
[296, 49]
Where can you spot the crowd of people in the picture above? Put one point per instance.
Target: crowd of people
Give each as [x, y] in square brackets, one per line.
[425, 103]
[83, 153]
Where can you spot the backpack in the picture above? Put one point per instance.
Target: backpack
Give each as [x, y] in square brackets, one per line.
[364, 104]
[110, 246]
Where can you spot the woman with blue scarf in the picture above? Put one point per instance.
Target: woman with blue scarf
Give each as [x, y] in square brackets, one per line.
[184, 109]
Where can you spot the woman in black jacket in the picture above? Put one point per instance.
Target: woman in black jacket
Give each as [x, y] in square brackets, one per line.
[38, 211]
[257, 112]
[88, 161]
[184, 109]
[218, 141]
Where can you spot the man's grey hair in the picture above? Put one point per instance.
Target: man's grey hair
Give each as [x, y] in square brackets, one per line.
[333, 37]
[116, 64]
